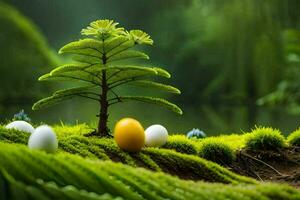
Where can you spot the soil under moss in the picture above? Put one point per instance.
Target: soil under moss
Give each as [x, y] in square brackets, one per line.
[282, 166]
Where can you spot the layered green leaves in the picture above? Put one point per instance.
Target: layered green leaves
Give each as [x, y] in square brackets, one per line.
[129, 54]
[155, 85]
[100, 62]
[152, 100]
[88, 47]
[92, 73]
[49, 101]
[66, 94]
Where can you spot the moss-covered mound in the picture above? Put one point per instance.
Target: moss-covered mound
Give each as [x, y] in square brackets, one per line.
[182, 165]
[24, 57]
[29, 174]
[294, 138]
[180, 156]
[217, 152]
[263, 138]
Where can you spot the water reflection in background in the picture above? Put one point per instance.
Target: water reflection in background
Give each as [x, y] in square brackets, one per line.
[212, 120]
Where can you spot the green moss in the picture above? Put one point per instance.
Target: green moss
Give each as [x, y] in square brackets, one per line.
[145, 161]
[81, 146]
[234, 141]
[216, 151]
[181, 143]
[26, 56]
[108, 180]
[263, 138]
[63, 130]
[294, 138]
[13, 136]
[186, 166]
[192, 167]
[113, 151]
[17, 190]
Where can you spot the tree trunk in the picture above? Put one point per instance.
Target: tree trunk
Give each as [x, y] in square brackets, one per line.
[103, 116]
[103, 131]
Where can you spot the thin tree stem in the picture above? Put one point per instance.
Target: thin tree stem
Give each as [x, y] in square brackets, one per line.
[103, 116]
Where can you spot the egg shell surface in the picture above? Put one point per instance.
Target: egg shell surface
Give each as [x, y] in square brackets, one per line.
[43, 138]
[20, 126]
[129, 134]
[156, 136]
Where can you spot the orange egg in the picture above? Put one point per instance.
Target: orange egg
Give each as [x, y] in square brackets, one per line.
[129, 135]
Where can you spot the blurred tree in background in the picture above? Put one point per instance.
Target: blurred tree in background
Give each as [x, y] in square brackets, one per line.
[287, 92]
[24, 56]
[229, 49]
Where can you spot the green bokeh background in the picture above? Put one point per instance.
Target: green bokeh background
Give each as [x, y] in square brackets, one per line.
[223, 55]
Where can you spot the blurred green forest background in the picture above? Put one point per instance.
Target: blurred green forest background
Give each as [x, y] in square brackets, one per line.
[236, 61]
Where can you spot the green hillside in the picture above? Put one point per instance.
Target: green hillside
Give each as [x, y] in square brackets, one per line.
[100, 170]
[37, 175]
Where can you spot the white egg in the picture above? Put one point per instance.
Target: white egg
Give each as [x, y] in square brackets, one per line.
[43, 138]
[156, 136]
[20, 126]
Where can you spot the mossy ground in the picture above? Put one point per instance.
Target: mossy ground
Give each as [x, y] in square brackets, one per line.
[90, 168]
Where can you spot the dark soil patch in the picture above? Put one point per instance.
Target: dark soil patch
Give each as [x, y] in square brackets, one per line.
[281, 166]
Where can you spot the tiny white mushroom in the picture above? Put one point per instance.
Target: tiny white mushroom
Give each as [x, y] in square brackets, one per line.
[156, 136]
[20, 126]
[43, 138]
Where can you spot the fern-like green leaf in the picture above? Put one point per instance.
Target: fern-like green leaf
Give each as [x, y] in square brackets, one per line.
[74, 90]
[128, 54]
[162, 72]
[48, 77]
[86, 52]
[66, 94]
[153, 100]
[119, 49]
[135, 72]
[114, 43]
[98, 68]
[86, 59]
[45, 77]
[74, 67]
[87, 47]
[155, 85]
[92, 74]
[73, 76]
[49, 101]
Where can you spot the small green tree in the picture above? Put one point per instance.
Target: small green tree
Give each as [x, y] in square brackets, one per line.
[102, 64]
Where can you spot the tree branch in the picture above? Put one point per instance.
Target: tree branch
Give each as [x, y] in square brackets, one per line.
[89, 48]
[114, 74]
[80, 79]
[90, 73]
[84, 54]
[115, 103]
[121, 82]
[114, 94]
[115, 47]
[88, 97]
